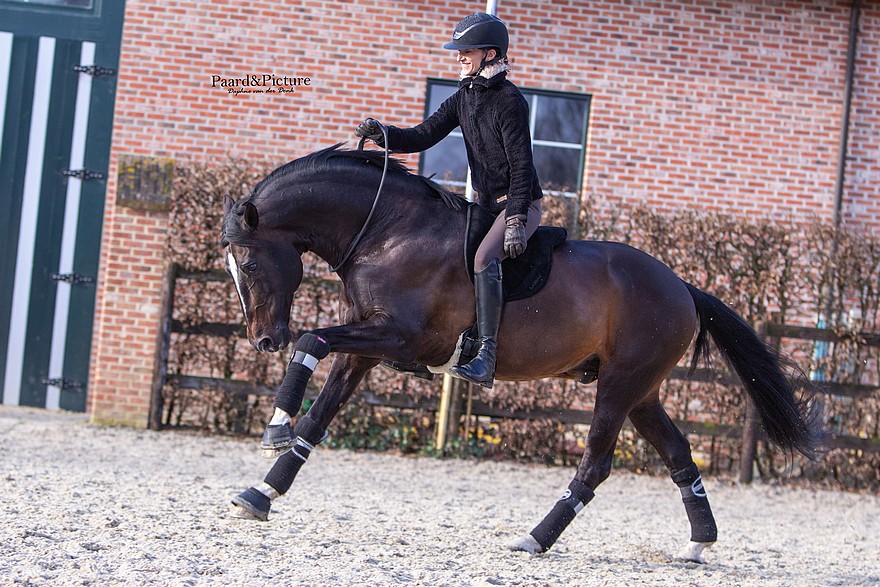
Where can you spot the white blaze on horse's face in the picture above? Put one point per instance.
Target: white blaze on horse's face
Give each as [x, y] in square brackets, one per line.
[236, 278]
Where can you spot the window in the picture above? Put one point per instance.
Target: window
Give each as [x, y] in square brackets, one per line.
[559, 131]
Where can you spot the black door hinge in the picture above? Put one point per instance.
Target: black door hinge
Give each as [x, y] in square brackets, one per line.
[94, 70]
[62, 384]
[72, 278]
[83, 174]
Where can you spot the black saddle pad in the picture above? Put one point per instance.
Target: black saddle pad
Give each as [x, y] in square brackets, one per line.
[526, 275]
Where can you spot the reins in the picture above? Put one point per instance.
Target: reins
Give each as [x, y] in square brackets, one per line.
[360, 235]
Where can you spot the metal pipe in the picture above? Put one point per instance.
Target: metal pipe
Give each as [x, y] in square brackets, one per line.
[847, 108]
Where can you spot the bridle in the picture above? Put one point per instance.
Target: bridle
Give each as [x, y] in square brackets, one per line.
[357, 239]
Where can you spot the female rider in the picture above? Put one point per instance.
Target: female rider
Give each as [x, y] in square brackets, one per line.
[494, 120]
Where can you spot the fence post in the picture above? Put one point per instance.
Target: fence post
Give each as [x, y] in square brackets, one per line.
[163, 344]
[750, 429]
[749, 443]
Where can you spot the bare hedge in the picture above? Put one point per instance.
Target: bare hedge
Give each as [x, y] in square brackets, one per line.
[767, 268]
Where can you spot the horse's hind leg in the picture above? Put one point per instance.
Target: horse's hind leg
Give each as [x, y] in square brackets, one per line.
[654, 424]
[613, 403]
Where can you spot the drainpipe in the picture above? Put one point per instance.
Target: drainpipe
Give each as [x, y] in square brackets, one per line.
[847, 107]
[855, 7]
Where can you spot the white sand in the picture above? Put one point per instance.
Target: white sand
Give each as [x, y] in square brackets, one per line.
[85, 505]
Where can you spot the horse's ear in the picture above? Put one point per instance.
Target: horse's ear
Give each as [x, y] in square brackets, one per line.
[228, 203]
[250, 216]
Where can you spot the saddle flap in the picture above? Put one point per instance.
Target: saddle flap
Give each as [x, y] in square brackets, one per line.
[526, 275]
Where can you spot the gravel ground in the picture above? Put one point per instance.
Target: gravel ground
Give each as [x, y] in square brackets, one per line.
[88, 505]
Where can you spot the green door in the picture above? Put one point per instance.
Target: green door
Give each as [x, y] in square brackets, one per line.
[58, 60]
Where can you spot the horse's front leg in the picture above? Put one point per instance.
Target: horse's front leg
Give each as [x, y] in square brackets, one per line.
[346, 372]
[376, 337]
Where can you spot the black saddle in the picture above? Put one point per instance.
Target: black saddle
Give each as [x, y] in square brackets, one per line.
[526, 275]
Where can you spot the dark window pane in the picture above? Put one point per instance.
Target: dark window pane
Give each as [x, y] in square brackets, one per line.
[437, 94]
[558, 168]
[447, 159]
[559, 119]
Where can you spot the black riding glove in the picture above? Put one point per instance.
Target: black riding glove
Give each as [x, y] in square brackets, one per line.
[370, 129]
[515, 236]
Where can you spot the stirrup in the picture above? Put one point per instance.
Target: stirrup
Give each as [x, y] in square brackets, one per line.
[461, 372]
[487, 384]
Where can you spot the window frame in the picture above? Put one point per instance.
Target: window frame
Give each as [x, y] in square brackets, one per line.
[43, 5]
[532, 95]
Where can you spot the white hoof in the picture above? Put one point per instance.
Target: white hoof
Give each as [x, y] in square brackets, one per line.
[527, 544]
[692, 552]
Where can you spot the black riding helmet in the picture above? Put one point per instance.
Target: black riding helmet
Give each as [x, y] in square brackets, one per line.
[480, 31]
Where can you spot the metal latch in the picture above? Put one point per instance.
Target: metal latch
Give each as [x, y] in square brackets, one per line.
[94, 70]
[83, 174]
[72, 278]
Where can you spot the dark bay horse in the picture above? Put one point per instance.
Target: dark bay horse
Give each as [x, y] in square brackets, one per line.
[608, 312]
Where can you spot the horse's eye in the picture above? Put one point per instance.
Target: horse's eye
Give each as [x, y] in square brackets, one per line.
[250, 267]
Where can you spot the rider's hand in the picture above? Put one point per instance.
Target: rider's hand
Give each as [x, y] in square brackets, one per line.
[370, 129]
[515, 236]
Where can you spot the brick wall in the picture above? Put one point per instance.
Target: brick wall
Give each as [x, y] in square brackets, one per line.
[862, 188]
[732, 106]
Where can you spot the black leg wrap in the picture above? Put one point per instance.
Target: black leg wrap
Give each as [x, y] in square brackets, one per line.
[285, 469]
[553, 524]
[309, 349]
[293, 388]
[309, 430]
[312, 344]
[696, 504]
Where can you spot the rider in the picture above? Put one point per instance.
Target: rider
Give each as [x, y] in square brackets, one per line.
[494, 120]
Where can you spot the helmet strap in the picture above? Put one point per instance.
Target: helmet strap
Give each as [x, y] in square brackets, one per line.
[483, 63]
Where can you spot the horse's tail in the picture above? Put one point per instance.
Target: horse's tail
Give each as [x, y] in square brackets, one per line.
[786, 418]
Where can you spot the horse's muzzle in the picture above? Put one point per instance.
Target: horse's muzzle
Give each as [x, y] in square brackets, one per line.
[274, 342]
[267, 345]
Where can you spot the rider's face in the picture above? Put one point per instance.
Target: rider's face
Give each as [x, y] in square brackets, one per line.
[470, 59]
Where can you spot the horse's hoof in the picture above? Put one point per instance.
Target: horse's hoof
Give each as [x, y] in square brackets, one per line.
[277, 440]
[252, 504]
[692, 552]
[527, 544]
[273, 453]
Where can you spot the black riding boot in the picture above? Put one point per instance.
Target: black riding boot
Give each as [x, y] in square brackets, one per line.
[490, 300]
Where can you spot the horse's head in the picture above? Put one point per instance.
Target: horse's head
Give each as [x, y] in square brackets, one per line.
[266, 268]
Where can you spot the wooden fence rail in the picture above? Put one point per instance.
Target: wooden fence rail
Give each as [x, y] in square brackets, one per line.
[465, 404]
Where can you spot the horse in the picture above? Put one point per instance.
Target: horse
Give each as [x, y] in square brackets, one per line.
[608, 312]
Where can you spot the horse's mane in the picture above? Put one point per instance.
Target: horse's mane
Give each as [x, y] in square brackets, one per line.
[335, 160]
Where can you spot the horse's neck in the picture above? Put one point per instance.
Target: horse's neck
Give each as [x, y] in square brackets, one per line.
[327, 221]
[324, 221]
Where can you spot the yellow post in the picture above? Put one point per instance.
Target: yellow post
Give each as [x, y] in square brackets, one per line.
[443, 412]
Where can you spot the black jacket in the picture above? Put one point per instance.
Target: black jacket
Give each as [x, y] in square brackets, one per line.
[494, 119]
